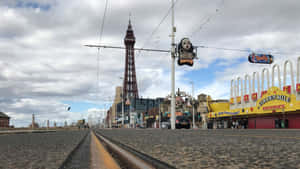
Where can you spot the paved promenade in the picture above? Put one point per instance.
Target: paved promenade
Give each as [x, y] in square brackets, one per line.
[215, 148]
[37, 150]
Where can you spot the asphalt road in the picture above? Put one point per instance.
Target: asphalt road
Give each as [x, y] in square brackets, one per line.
[37, 150]
[215, 148]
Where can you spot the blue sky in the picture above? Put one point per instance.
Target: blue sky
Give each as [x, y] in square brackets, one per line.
[34, 5]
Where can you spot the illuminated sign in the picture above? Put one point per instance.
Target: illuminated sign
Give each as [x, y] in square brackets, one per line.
[275, 97]
[260, 58]
[228, 113]
[273, 107]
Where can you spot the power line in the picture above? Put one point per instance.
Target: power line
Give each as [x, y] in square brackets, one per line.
[197, 46]
[103, 21]
[209, 18]
[221, 48]
[98, 52]
[119, 47]
[245, 50]
[157, 27]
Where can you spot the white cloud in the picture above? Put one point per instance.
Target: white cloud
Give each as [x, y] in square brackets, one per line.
[43, 60]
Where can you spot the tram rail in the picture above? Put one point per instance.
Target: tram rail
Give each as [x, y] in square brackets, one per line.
[128, 157]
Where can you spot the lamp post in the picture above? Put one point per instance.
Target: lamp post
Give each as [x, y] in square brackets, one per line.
[173, 71]
[194, 126]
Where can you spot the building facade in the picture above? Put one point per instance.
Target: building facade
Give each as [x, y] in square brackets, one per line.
[139, 108]
[262, 105]
[117, 100]
[4, 120]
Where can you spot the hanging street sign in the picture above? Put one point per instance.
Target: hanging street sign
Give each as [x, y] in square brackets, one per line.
[261, 58]
[186, 52]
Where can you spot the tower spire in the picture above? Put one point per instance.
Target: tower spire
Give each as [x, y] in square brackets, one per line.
[130, 89]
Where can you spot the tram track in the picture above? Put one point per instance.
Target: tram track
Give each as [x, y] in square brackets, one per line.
[72, 159]
[129, 158]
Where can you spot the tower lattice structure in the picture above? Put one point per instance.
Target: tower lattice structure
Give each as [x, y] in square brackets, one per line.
[130, 89]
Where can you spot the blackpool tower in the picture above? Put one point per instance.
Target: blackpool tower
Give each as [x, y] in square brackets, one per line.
[130, 89]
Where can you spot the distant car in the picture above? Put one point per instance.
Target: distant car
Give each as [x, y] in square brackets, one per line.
[260, 58]
[140, 126]
[166, 124]
[182, 122]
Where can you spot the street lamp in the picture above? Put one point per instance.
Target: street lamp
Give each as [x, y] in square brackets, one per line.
[194, 126]
[173, 71]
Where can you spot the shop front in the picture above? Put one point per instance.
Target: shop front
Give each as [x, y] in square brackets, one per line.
[275, 109]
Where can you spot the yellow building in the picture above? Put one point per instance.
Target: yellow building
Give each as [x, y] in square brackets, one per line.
[273, 107]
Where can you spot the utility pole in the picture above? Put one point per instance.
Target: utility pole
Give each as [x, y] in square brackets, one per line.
[194, 126]
[173, 71]
[32, 122]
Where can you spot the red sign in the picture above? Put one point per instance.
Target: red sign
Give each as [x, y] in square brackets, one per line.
[298, 87]
[264, 92]
[254, 96]
[246, 98]
[273, 107]
[287, 89]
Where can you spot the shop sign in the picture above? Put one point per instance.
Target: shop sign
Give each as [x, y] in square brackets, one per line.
[228, 113]
[273, 107]
[275, 97]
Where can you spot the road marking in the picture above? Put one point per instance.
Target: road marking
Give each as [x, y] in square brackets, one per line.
[101, 159]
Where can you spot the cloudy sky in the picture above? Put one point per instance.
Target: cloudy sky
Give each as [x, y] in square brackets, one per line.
[44, 67]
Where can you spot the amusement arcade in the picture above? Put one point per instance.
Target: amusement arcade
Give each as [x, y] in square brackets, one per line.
[258, 107]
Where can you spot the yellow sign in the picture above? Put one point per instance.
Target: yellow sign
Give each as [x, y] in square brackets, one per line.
[274, 100]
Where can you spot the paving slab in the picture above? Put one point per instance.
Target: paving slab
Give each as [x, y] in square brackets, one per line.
[37, 150]
[215, 148]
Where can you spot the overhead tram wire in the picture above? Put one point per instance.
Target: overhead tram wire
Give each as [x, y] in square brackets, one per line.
[196, 46]
[157, 27]
[98, 52]
[221, 48]
[206, 21]
[155, 30]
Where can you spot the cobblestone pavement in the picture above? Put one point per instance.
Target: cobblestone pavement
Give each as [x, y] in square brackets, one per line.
[37, 150]
[215, 148]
